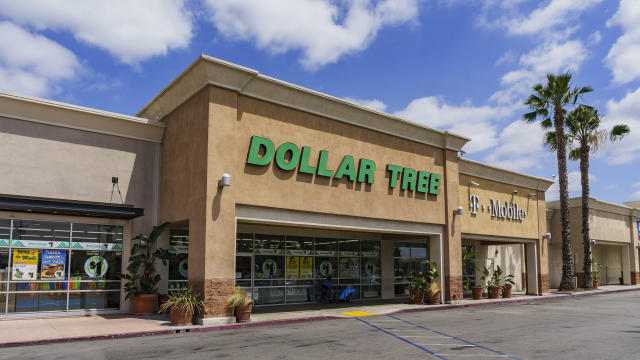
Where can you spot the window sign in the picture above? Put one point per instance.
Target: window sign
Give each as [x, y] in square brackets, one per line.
[349, 268]
[306, 267]
[25, 264]
[293, 267]
[96, 266]
[53, 264]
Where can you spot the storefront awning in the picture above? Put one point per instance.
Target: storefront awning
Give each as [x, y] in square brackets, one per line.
[70, 208]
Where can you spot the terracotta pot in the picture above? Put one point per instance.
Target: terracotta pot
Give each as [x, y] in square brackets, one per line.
[494, 292]
[477, 292]
[144, 304]
[181, 317]
[416, 296]
[243, 313]
[595, 284]
[506, 291]
[434, 298]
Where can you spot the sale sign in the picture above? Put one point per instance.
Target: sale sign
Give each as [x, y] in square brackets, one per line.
[24, 264]
[53, 264]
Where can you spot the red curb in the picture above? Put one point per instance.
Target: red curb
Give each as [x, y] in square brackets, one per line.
[169, 331]
[295, 320]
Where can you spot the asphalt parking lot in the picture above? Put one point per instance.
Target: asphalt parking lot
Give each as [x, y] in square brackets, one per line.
[590, 327]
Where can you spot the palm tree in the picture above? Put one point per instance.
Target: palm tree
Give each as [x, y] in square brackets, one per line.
[585, 136]
[557, 95]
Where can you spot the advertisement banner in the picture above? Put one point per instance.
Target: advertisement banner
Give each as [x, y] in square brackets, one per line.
[293, 266]
[52, 265]
[306, 267]
[24, 264]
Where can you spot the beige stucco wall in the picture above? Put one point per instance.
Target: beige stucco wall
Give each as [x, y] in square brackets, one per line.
[607, 226]
[273, 187]
[61, 163]
[483, 223]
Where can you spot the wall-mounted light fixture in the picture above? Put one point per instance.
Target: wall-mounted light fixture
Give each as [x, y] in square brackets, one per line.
[473, 183]
[547, 236]
[225, 181]
[593, 241]
[458, 211]
[515, 191]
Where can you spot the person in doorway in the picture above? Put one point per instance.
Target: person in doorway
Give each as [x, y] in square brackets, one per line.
[327, 290]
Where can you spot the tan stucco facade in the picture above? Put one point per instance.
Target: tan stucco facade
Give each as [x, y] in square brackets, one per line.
[612, 227]
[170, 159]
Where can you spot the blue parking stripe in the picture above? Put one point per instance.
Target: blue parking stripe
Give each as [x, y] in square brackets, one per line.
[403, 339]
[456, 338]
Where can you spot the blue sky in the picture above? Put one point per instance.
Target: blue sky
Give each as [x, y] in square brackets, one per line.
[459, 65]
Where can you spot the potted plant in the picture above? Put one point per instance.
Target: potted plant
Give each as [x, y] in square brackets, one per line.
[493, 280]
[182, 305]
[596, 267]
[141, 278]
[507, 284]
[241, 305]
[469, 261]
[416, 288]
[434, 290]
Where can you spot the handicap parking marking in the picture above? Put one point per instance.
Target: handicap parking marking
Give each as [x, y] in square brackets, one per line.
[357, 313]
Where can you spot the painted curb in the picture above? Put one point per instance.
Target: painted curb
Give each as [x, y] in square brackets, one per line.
[298, 320]
[169, 331]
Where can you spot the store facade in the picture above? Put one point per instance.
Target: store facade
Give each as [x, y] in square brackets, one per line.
[615, 244]
[268, 186]
[64, 236]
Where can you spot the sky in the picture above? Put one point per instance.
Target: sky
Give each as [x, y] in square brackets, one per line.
[465, 66]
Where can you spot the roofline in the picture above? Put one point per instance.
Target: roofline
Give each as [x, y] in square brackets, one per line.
[207, 70]
[597, 204]
[494, 173]
[50, 112]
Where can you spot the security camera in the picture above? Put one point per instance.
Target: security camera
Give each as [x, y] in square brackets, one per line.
[593, 241]
[473, 183]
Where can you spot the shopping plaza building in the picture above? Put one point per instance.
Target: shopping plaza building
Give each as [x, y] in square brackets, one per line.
[268, 186]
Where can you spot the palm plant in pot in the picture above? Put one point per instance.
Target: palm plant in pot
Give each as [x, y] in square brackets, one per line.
[241, 305]
[434, 289]
[596, 274]
[494, 280]
[416, 288]
[182, 305]
[141, 278]
[507, 283]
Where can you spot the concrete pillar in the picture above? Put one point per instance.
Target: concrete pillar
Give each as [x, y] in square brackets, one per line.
[542, 248]
[531, 255]
[634, 252]
[435, 254]
[386, 270]
[626, 264]
[452, 238]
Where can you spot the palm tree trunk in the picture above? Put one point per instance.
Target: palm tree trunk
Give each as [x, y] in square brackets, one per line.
[566, 283]
[584, 177]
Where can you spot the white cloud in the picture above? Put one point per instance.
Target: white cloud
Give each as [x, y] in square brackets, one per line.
[33, 64]
[626, 111]
[374, 104]
[595, 38]
[508, 58]
[550, 57]
[624, 55]
[555, 14]
[611, 187]
[476, 122]
[520, 147]
[575, 186]
[636, 184]
[132, 31]
[322, 30]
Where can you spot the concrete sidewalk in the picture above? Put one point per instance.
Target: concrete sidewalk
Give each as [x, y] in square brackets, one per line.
[21, 332]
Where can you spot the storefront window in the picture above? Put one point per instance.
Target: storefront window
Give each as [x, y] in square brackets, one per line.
[58, 266]
[290, 269]
[410, 258]
[179, 260]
